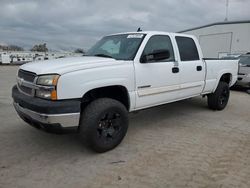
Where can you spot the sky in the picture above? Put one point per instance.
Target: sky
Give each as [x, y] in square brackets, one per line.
[69, 24]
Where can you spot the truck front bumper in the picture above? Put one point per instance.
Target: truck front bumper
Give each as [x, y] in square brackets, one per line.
[52, 116]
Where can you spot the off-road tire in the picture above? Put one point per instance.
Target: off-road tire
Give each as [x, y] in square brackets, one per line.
[219, 99]
[103, 124]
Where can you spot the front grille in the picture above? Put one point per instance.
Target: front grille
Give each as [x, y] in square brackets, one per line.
[27, 76]
[26, 90]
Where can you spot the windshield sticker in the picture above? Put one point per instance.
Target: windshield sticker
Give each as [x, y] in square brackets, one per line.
[135, 36]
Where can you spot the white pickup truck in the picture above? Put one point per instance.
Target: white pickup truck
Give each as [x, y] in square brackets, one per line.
[121, 73]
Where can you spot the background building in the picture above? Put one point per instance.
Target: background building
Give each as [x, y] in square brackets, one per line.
[223, 38]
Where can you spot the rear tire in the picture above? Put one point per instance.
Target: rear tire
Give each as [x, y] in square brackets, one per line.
[219, 99]
[103, 125]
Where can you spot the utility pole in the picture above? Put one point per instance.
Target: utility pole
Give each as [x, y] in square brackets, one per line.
[227, 4]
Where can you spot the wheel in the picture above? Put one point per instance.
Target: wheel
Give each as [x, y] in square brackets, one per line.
[103, 125]
[219, 99]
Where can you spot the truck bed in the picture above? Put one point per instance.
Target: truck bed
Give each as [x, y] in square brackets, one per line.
[215, 69]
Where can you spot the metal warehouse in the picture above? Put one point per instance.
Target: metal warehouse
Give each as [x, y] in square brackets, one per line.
[223, 38]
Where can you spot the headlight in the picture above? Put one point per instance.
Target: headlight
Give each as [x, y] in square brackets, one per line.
[48, 80]
[47, 86]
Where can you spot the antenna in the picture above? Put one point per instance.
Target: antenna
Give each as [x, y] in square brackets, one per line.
[227, 4]
[139, 29]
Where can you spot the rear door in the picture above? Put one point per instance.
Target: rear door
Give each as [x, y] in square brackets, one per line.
[192, 67]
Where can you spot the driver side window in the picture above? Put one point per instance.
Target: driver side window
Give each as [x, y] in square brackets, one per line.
[159, 42]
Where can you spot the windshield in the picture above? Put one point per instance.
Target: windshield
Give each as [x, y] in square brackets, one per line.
[244, 60]
[120, 47]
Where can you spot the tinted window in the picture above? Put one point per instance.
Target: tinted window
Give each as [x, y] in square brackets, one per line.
[159, 42]
[187, 49]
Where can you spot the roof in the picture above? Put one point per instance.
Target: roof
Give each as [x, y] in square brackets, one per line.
[216, 23]
[140, 32]
[152, 33]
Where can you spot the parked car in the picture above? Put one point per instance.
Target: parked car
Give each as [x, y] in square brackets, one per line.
[244, 71]
[122, 73]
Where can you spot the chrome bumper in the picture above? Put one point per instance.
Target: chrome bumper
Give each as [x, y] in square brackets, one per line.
[65, 120]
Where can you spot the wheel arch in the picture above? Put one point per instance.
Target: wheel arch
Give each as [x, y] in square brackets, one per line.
[117, 92]
[225, 77]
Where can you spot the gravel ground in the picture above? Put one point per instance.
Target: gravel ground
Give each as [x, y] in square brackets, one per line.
[183, 144]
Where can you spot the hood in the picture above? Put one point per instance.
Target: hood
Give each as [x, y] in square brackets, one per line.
[64, 65]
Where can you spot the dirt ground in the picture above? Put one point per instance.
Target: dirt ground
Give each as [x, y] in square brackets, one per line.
[183, 144]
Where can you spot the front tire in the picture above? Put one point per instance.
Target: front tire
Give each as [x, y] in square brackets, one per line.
[103, 125]
[219, 99]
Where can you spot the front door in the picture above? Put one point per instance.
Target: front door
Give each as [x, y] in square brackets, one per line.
[157, 82]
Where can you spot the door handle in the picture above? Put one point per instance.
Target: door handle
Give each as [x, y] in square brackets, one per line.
[175, 69]
[199, 68]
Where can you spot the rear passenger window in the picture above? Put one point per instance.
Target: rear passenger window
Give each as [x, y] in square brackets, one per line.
[187, 49]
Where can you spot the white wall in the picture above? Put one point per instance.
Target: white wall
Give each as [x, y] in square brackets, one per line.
[222, 39]
[5, 59]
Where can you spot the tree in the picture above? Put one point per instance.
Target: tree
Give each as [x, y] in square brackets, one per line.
[79, 50]
[11, 48]
[15, 48]
[39, 48]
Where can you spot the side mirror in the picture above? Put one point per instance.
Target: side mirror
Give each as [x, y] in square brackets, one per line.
[156, 55]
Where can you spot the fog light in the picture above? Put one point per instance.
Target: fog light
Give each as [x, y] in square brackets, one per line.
[46, 94]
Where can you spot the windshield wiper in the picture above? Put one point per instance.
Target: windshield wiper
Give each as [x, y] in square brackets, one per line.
[103, 55]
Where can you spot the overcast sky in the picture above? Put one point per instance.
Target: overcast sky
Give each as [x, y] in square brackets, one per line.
[67, 24]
